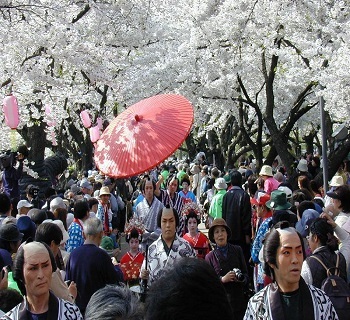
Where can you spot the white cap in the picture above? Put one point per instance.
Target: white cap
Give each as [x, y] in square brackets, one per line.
[24, 203]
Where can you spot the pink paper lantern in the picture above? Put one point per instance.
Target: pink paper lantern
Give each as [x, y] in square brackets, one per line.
[11, 111]
[85, 118]
[94, 134]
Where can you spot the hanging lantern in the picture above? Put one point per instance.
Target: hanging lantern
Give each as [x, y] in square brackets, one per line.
[85, 118]
[94, 134]
[11, 111]
[99, 123]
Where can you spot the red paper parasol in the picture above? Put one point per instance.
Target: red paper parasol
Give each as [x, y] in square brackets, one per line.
[144, 135]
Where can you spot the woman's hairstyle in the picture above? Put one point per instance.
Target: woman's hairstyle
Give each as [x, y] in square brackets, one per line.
[185, 179]
[114, 303]
[160, 213]
[133, 234]
[47, 232]
[192, 214]
[324, 232]
[18, 265]
[61, 214]
[344, 194]
[271, 244]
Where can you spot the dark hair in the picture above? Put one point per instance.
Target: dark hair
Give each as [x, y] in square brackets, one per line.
[5, 203]
[192, 214]
[344, 193]
[236, 178]
[113, 303]
[39, 216]
[92, 201]
[324, 232]
[17, 268]
[272, 243]
[134, 234]
[143, 183]
[304, 205]
[160, 213]
[172, 177]
[61, 214]
[251, 185]
[190, 280]
[47, 232]
[9, 298]
[185, 179]
[81, 209]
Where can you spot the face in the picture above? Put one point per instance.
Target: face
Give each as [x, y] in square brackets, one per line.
[260, 210]
[173, 185]
[336, 203]
[312, 241]
[85, 190]
[54, 248]
[104, 198]
[185, 186]
[168, 224]
[37, 270]
[134, 244]
[24, 210]
[192, 225]
[220, 236]
[289, 260]
[149, 191]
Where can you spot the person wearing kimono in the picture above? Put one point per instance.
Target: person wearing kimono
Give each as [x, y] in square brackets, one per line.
[167, 249]
[288, 297]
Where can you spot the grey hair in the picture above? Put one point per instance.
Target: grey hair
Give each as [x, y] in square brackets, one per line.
[92, 226]
[114, 303]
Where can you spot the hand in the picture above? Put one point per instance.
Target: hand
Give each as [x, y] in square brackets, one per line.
[229, 277]
[329, 219]
[144, 274]
[4, 279]
[73, 289]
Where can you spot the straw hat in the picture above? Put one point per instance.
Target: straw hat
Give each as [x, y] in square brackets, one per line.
[266, 171]
[336, 181]
[104, 190]
[218, 222]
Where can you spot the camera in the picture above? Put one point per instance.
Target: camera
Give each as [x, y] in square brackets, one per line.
[239, 274]
[33, 191]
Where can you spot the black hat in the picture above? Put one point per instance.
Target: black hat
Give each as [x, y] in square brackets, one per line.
[10, 232]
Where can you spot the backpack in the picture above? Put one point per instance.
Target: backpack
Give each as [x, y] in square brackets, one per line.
[337, 289]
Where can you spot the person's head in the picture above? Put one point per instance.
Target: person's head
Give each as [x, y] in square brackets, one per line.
[260, 183]
[37, 215]
[172, 183]
[219, 232]
[50, 234]
[316, 162]
[81, 210]
[185, 183]
[86, 187]
[284, 253]
[5, 204]
[266, 172]
[114, 303]
[9, 298]
[147, 187]
[341, 198]
[23, 206]
[168, 220]
[236, 178]
[32, 269]
[260, 204]
[189, 290]
[61, 214]
[10, 237]
[302, 166]
[220, 184]
[104, 195]
[321, 234]
[27, 227]
[134, 238]
[93, 228]
[57, 202]
[278, 201]
[303, 182]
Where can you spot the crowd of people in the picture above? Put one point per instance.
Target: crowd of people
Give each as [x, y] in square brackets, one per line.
[272, 240]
